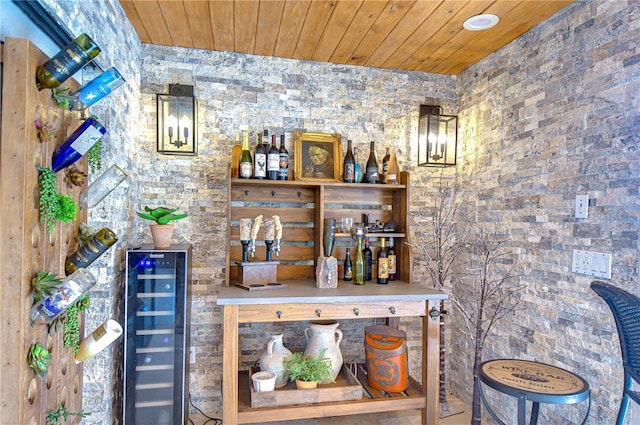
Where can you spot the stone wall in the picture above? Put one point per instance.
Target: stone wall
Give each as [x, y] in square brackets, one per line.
[237, 91]
[552, 115]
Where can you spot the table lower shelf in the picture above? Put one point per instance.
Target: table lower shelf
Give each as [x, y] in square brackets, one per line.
[372, 401]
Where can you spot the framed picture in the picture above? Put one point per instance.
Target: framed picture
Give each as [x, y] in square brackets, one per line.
[318, 156]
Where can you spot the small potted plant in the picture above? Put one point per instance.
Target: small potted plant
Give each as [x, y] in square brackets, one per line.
[308, 371]
[161, 231]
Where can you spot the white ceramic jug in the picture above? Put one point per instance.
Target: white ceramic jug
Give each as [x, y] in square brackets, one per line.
[324, 335]
[273, 358]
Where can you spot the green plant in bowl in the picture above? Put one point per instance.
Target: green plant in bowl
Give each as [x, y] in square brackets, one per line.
[161, 215]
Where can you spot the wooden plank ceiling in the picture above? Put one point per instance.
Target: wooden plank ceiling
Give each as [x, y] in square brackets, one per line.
[414, 35]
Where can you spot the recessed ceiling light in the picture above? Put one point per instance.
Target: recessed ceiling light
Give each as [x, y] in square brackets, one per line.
[480, 22]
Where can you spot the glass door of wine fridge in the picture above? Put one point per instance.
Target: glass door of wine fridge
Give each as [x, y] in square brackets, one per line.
[157, 335]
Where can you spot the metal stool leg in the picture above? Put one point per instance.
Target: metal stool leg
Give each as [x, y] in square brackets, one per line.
[535, 409]
[522, 409]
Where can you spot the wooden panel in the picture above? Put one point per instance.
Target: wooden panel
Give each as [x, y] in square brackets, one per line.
[135, 19]
[153, 21]
[269, 18]
[293, 17]
[175, 16]
[341, 18]
[28, 247]
[270, 193]
[202, 34]
[222, 23]
[246, 20]
[292, 312]
[358, 28]
[317, 17]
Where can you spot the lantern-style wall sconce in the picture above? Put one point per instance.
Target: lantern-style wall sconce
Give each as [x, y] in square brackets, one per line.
[177, 121]
[437, 137]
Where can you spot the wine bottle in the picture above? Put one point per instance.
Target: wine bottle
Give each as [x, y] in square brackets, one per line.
[391, 255]
[98, 340]
[259, 160]
[349, 165]
[273, 160]
[95, 90]
[284, 160]
[265, 140]
[236, 150]
[371, 170]
[245, 166]
[383, 263]
[89, 251]
[359, 173]
[103, 186]
[385, 165]
[76, 145]
[348, 266]
[393, 170]
[71, 288]
[358, 264]
[67, 62]
[368, 260]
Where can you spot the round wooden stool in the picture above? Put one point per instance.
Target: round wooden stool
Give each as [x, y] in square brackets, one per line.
[533, 381]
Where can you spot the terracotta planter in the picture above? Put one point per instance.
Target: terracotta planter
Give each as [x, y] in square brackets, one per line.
[306, 385]
[161, 234]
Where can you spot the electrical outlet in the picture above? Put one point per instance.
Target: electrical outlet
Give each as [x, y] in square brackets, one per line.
[597, 264]
[582, 206]
[192, 355]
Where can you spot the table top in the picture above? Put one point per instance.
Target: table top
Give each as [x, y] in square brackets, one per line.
[306, 292]
[539, 381]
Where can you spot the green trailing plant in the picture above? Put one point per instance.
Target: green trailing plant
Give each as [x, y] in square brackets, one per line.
[43, 285]
[303, 367]
[94, 155]
[38, 359]
[71, 335]
[53, 205]
[161, 215]
[54, 416]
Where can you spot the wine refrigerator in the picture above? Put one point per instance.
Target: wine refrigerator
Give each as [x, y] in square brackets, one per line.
[156, 347]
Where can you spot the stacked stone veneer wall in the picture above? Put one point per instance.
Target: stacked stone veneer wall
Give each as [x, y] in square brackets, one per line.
[237, 91]
[552, 115]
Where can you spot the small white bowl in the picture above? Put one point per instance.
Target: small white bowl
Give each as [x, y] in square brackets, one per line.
[264, 381]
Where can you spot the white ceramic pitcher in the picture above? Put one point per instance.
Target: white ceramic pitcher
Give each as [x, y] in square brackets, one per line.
[273, 358]
[324, 335]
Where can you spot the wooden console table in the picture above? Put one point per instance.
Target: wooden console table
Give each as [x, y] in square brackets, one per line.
[302, 301]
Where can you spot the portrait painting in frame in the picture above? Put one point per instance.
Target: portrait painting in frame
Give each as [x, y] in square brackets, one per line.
[318, 156]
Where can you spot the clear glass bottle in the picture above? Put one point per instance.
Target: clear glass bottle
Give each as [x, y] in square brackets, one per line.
[245, 167]
[385, 165]
[76, 145]
[393, 169]
[71, 288]
[358, 264]
[95, 90]
[104, 185]
[371, 171]
[66, 62]
[349, 165]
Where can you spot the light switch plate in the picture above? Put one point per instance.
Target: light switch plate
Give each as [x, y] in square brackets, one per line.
[596, 264]
[582, 206]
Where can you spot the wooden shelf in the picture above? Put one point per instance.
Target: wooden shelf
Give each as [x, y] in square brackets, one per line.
[373, 400]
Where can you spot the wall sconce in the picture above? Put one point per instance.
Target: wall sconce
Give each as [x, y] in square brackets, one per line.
[177, 121]
[437, 137]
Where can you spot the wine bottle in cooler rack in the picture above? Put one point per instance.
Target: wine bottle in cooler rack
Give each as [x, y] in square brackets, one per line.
[67, 62]
[393, 261]
[63, 297]
[383, 263]
[259, 160]
[273, 160]
[98, 340]
[371, 171]
[245, 166]
[349, 165]
[89, 251]
[284, 160]
[348, 267]
[76, 145]
[96, 89]
[368, 260]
